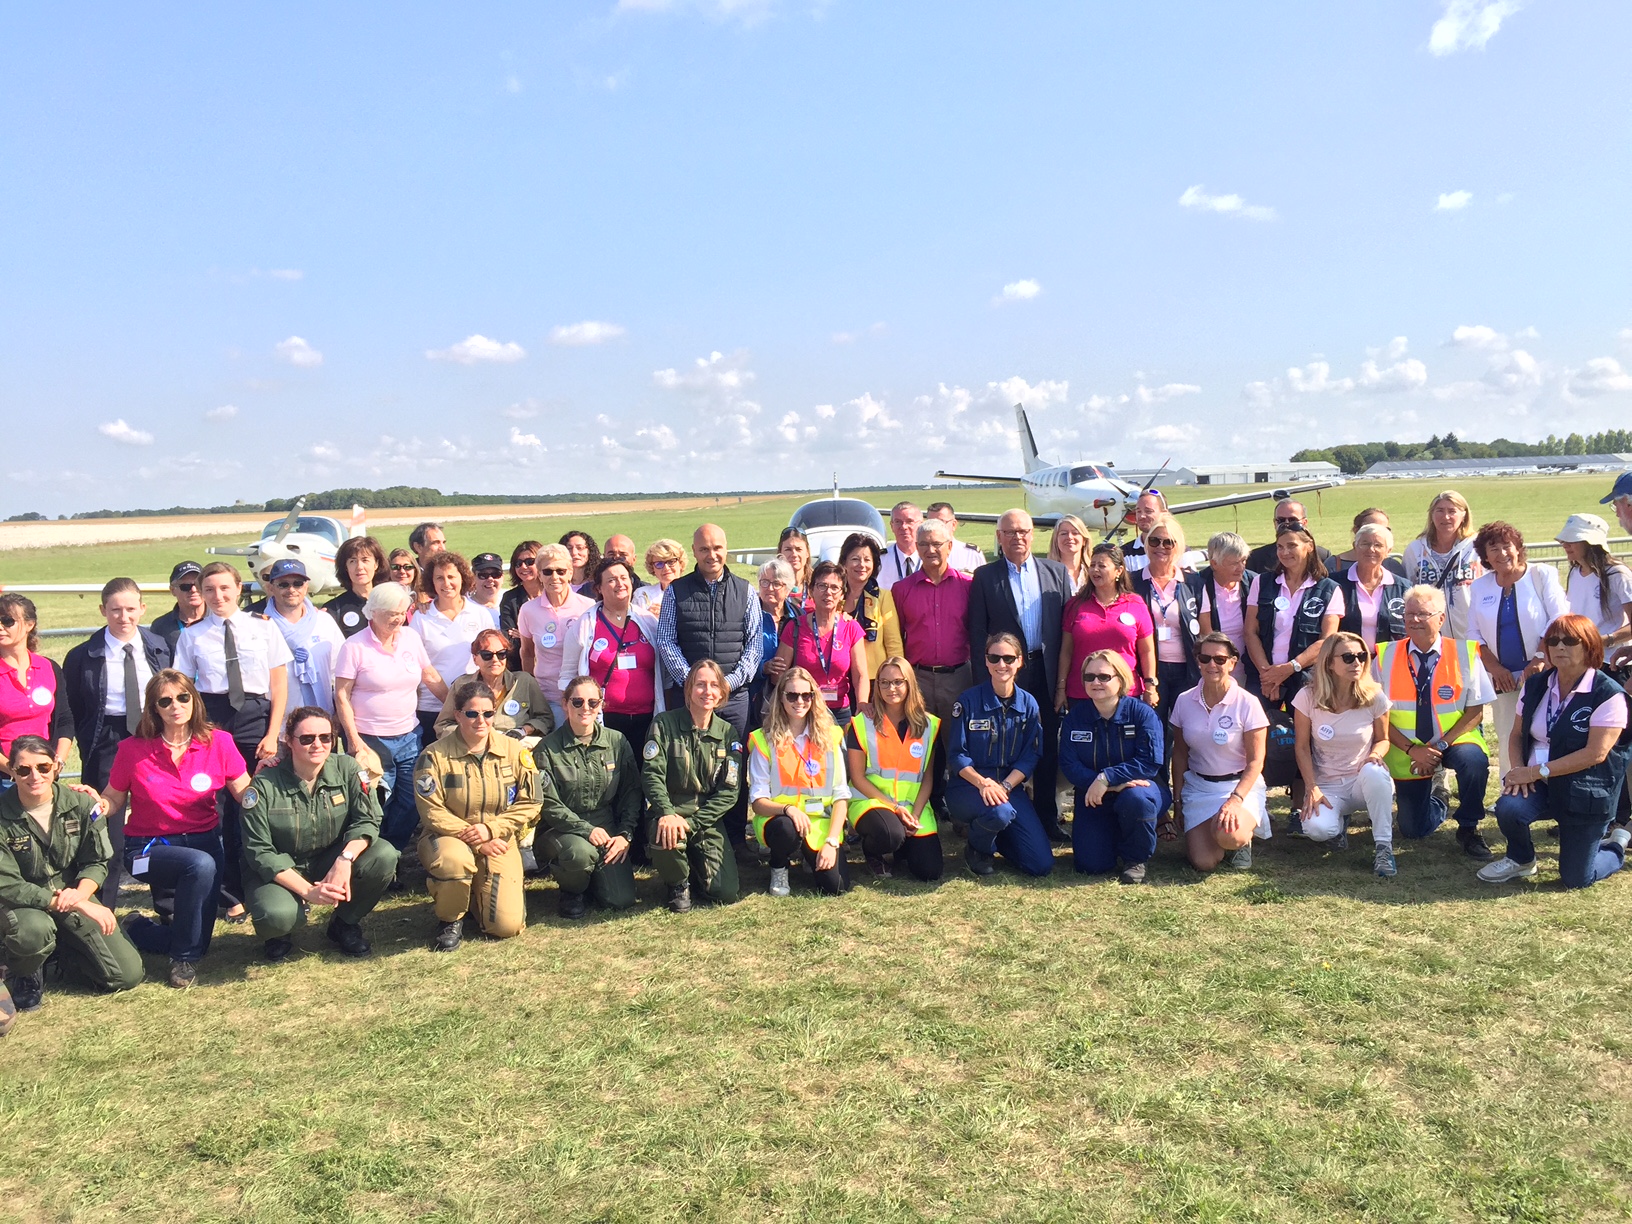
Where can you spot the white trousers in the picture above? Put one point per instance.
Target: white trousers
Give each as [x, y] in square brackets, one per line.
[1371, 789]
[1507, 709]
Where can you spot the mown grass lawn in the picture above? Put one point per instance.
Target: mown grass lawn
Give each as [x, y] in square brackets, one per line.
[1297, 1042]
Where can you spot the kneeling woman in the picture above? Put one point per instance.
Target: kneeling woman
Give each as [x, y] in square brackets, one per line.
[312, 837]
[994, 743]
[1111, 750]
[54, 856]
[1219, 734]
[1572, 736]
[477, 793]
[1341, 723]
[889, 753]
[172, 771]
[592, 803]
[798, 791]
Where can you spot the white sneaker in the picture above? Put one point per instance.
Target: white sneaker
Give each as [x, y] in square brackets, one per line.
[1505, 869]
[779, 882]
[1621, 836]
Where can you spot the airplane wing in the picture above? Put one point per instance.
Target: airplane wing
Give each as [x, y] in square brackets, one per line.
[80, 588]
[1236, 499]
[1046, 521]
[1010, 480]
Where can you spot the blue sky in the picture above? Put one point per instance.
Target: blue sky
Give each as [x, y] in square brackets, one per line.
[695, 244]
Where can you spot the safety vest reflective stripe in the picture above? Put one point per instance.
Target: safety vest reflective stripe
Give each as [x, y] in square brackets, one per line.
[1456, 662]
[793, 783]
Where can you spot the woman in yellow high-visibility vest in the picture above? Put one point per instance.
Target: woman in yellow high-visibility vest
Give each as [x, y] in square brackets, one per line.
[797, 789]
[889, 753]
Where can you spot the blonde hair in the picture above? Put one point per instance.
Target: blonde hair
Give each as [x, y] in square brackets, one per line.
[1170, 524]
[1116, 663]
[557, 553]
[663, 550]
[913, 703]
[1081, 528]
[818, 724]
[1465, 531]
[1360, 694]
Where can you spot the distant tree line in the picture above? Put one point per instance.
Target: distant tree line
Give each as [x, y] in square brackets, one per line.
[1356, 458]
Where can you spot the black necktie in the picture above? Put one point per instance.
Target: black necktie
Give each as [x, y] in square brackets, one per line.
[1427, 727]
[235, 674]
[133, 692]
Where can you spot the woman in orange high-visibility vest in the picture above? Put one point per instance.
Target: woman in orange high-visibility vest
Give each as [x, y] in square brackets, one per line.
[797, 789]
[889, 752]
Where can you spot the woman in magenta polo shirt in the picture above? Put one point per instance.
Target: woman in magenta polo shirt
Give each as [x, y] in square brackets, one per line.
[829, 644]
[33, 700]
[1106, 615]
[616, 646]
[377, 676]
[171, 772]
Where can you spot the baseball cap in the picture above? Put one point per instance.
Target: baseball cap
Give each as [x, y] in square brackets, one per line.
[1623, 488]
[491, 561]
[283, 569]
[1584, 529]
[185, 569]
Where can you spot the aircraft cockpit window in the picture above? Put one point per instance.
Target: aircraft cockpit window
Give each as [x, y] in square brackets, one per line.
[1086, 471]
[325, 527]
[839, 512]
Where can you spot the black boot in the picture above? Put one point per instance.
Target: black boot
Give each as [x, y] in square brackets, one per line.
[680, 898]
[571, 905]
[278, 949]
[27, 989]
[349, 936]
[448, 936]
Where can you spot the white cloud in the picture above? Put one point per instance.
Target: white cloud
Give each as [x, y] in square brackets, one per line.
[524, 410]
[877, 329]
[297, 352]
[224, 413]
[590, 331]
[474, 349]
[1398, 374]
[1169, 435]
[1165, 392]
[1478, 336]
[1316, 379]
[1469, 24]
[322, 452]
[517, 438]
[119, 431]
[1018, 291]
[287, 274]
[1600, 376]
[1229, 205]
[715, 374]
[191, 467]
[1513, 372]
[1453, 201]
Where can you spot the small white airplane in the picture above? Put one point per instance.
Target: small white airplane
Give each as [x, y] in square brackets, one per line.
[827, 523]
[311, 539]
[1093, 491]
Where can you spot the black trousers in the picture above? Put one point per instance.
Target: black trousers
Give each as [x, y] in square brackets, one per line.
[1034, 679]
[783, 841]
[883, 834]
[95, 764]
[248, 726]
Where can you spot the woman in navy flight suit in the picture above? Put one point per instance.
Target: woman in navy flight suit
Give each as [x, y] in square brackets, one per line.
[994, 742]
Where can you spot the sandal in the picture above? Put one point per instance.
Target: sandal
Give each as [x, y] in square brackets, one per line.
[1167, 830]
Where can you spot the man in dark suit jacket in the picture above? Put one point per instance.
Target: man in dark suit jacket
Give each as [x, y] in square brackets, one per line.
[106, 688]
[1010, 594]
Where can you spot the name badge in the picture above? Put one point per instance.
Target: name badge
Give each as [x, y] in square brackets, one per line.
[1163, 633]
[1128, 618]
[1326, 731]
[916, 750]
[1082, 737]
[1220, 736]
[1282, 603]
[138, 865]
[626, 660]
[830, 693]
[980, 724]
[813, 807]
[1538, 754]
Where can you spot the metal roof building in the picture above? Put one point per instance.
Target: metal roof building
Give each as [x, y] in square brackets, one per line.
[1420, 469]
[1235, 473]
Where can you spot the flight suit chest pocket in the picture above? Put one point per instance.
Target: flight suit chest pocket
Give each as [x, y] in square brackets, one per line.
[453, 782]
[22, 849]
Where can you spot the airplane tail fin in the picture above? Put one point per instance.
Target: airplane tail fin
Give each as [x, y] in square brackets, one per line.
[1028, 444]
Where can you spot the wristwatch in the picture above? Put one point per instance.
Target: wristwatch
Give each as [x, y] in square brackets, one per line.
[833, 842]
[1296, 666]
[1543, 771]
[348, 856]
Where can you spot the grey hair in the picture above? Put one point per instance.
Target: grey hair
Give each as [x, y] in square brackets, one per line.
[1425, 593]
[778, 569]
[387, 597]
[1226, 545]
[1375, 529]
[934, 529]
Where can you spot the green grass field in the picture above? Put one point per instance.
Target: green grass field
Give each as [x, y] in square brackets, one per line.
[1299, 1042]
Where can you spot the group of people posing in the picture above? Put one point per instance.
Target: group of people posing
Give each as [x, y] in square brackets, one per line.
[253, 763]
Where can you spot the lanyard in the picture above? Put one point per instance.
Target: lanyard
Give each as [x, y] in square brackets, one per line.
[617, 635]
[1555, 706]
[824, 661]
[1156, 598]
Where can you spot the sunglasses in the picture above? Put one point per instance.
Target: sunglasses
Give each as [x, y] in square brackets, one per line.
[997, 660]
[189, 587]
[179, 699]
[7, 622]
[1284, 525]
[584, 703]
[1098, 677]
[289, 584]
[524, 563]
[1155, 542]
[553, 570]
[474, 715]
[1561, 641]
[1351, 656]
[798, 696]
[403, 569]
[492, 656]
[1214, 660]
[28, 771]
[490, 575]
[315, 737]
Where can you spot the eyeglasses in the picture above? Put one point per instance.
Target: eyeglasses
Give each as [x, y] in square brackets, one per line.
[898, 682]
[490, 575]
[1420, 616]
[1154, 542]
[553, 570]
[179, 699]
[798, 696]
[524, 563]
[1351, 656]
[492, 656]
[997, 660]
[1561, 641]
[1016, 532]
[827, 588]
[474, 715]
[666, 563]
[316, 737]
[28, 771]
[584, 703]
[1214, 660]
[1098, 677]
[189, 587]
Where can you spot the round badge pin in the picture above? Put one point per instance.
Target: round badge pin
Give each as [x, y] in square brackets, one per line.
[917, 751]
[1326, 731]
[1128, 618]
[41, 696]
[1446, 692]
[1195, 626]
[512, 707]
[1282, 603]
[351, 619]
[200, 782]
[1221, 736]
[600, 645]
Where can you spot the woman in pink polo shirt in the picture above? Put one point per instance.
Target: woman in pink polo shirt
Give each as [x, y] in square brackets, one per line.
[171, 772]
[829, 645]
[377, 677]
[1219, 735]
[546, 624]
[33, 699]
[1106, 615]
[615, 645]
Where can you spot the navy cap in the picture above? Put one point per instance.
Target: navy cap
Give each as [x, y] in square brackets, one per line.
[1623, 488]
[487, 561]
[185, 569]
[285, 568]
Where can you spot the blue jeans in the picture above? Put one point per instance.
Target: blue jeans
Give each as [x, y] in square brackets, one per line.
[193, 865]
[1420, 813]
[1012, 829]
[397, 755]
[1584, 857]
[1123, 826]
